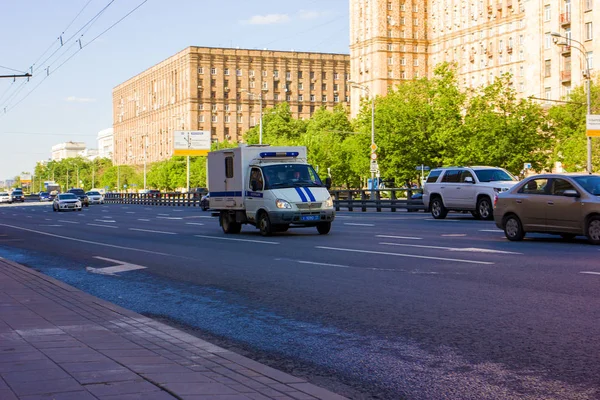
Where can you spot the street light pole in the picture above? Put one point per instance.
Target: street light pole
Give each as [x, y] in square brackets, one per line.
[145, 157]
[588, 78]
[373, 146]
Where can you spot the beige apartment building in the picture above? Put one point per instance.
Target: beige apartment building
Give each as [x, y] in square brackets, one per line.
[219, 89]
[397, 40]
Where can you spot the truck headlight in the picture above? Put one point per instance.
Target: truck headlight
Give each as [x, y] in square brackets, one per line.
[329, 202]
[282, 204]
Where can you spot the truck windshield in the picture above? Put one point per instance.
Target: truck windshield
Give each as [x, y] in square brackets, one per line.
[290, 175]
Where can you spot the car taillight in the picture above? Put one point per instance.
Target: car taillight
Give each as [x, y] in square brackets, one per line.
[495, 200]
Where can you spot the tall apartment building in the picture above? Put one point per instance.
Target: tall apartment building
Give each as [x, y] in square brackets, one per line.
[396, 40]
[219, 89]
[67, 150]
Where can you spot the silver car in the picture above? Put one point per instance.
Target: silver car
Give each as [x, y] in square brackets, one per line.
[65, 202]
[567, 205]
[4, 197]
[95, 197]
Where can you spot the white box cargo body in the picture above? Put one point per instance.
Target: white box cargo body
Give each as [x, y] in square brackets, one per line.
[272, 188]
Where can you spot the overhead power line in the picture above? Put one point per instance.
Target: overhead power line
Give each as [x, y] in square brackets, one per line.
[12, 69]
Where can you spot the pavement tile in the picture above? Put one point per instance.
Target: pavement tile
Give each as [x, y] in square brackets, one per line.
[242, 388]
[74, 367]
[121, 388]
[263, 369]
[30, 365]
[258, 396]
[300, 396]
[267, 391]
[187, 377]
[115, 345]
[45, 387]
[8, 395]
[167, 367]
[71, 343]
[78, 395]
[74, 354]
[140, 396]
[30, 376]
[120, 353]
[152, 360]
[217, 397]
[316, 391]
[23, 356]
[199, 388]
[104, 376]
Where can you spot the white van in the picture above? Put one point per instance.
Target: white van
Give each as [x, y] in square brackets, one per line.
[272, 188]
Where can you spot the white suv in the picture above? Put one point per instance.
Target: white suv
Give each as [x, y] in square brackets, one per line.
[471, 189]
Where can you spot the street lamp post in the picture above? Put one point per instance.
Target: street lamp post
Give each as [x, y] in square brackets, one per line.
[373, 146]
[588, 78]
[145, 157]
[260, 121]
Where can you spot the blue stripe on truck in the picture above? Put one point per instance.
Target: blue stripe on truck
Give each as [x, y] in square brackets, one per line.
[301, 194]
[225, 194]
[309, 193]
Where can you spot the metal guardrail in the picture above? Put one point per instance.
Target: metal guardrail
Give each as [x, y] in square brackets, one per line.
[382, 199]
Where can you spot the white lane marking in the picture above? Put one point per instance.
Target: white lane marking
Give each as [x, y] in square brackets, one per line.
[194, 223]
[51, 225]
[200, 216]
[104, 226]
[357, 224]
[121, 266]
[338, 265]
[444, 220]
[177, 210]
[383, 253]
[150, 231]
[454, 234]
[105, 220]
[169, 218]
[492, 230]
[104, 210]
[399, 237]
[164, 215]
[68, 222]
[143, 219]
[48, 219]
[236, 240]
[29, 216]
[130, 212]
[92, 242]
[467, 249]
[590, 272]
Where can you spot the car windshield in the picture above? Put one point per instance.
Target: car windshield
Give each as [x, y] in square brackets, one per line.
[67, 196]
[17, 192]
[290, 175]
[77, 191]
[93, 193]
[590, 183]
[4, 194]
[43, 194]
[492, 175]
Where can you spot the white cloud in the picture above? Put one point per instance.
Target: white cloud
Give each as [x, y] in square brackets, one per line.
[268, 19]
[74, 99]
[310, 14]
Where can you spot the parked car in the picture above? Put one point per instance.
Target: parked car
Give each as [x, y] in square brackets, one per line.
[470, 189]
[151, 193]
[81, 195]
[17, 195]
[65, 202]
[45, 196]
[205, 202]
[4, 197]
[566, 205]
[95, 197]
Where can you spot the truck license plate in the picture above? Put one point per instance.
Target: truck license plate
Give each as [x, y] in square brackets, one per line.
[311, 217]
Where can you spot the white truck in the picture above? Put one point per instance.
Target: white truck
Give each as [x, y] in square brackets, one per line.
[272, 188]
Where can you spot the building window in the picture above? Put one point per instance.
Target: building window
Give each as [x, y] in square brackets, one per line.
[312, 86]
[324, 98]
[324, 87]
[336, 87]
[416, 62]
[214, 118]
[201, 118]
[200, 70]
[288, 97]
[390, 34]
[416, 22]
[264, 73]
[312, 75]
[265, 86]
[251, 72]
[214, 107]
[390, 47]
[300, 108]
[238, 72]
[299, 74]
[347, 99]
[300, 86]
[547, 41]
[390, 6]
[417, 74]
[200, 107]
[300, 97]
[239, 119]
[288, 75]
[336, 98]
[390, 74]
[213, 71]
[521, 71]
[276, 74]
[547, 93]
[402, 21]
[547, 13]
[276, 97]
[226, 71]
[226, 107]
[403, 61]
[213, 95]
[390, 61]
[239, 107]
[312, 97]
[402, 75]
[336, 76]
[588, 5]
[415, 8]
[252, 85]
[547, 68]
[402, 7]
[521, 55]
[590, 59]
[323, 75]
[589, 32]
[226, 119]
[521, 39]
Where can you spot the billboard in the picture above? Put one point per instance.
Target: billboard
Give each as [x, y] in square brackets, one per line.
[25, 179]
[592, 125]
[191, 143]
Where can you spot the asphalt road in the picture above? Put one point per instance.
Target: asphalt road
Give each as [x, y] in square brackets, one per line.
[387, 306]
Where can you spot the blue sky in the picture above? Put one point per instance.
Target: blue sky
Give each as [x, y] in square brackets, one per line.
[72, 101]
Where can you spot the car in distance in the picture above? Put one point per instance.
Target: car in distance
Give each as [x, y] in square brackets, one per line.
[95, 197]
[45, 196]
[566, 205]
[205, 202]
[4, 197]
[81, 195]
[470, 189]
[65, 202]
[17, 195]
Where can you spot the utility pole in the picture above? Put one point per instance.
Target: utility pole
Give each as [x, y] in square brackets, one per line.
[27, 75]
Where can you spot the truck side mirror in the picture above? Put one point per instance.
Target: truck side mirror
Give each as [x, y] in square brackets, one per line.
[328, 183]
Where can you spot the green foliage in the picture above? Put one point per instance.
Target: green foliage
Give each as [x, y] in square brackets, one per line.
[279, 127]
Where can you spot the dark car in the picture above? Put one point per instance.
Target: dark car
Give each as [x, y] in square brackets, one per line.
[45, 196]
[85, 201]
[205, 202]
[17, 195]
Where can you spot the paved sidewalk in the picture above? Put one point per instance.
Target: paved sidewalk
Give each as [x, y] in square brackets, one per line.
[57, 342]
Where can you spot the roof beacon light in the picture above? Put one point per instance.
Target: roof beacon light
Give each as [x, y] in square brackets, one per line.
[268, 154]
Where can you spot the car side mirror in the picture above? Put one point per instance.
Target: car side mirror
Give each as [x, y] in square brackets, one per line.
[469, 179]
[571, 193]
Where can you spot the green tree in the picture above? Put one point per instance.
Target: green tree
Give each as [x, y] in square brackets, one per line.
[279, 127]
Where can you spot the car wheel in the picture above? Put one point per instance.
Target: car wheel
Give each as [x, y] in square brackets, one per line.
[593, 230]
[513, 229]
[323, 228]
[54, 209]
[229, 226]
[568, 236]
[264, 224]
[485, 209]
[438, 210]
[475, 215]
[281, 228]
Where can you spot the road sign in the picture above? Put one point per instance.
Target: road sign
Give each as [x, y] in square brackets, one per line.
[592, 125]
[527, 165]
[422, 168]
[191, 143]
[374, 166]
[373, 156]
[373, 147]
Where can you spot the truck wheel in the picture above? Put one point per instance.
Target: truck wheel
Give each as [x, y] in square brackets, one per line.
[438, 210]
[323, 228]
[485, 208]
[228, 225]
[264, 224]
